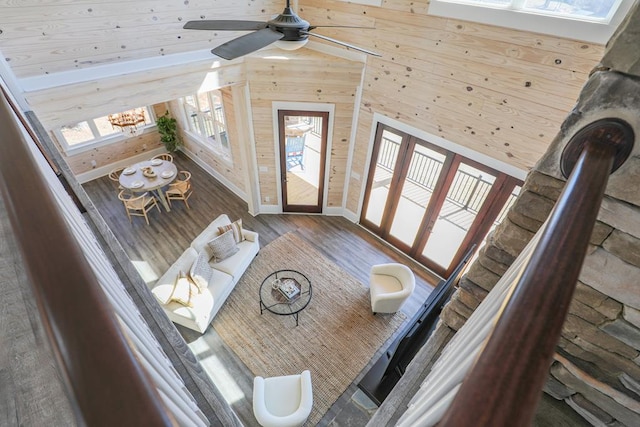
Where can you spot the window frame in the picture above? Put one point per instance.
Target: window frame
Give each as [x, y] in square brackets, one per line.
[98, 140]
[213, 144]
[516, 17]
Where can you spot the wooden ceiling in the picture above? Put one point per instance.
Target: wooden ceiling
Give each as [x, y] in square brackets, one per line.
[40, 37]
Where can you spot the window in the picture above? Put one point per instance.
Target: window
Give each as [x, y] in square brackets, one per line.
[588, 20]
[206, 119]
[80, 136]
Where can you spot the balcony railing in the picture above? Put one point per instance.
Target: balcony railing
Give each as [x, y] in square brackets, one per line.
[467, 191]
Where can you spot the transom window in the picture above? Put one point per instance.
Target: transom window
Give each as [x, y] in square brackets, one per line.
[588, 20]
[206, 118]
[596, 10]
[89, 133]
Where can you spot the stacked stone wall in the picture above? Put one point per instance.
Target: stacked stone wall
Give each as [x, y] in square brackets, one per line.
[597, 367]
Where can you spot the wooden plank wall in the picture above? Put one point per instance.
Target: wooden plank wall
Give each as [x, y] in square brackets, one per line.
[84, 100]
[111, 153]
[497, 91]
[302, 76]
[500, 92]
[48, 36]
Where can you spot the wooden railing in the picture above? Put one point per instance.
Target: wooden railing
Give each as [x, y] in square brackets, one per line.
[106, 385]
[505, 383]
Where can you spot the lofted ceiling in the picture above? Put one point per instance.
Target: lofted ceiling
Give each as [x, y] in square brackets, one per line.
[498, 91]
[43, 37]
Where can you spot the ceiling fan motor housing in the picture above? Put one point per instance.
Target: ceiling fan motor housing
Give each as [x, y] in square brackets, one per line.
[289, 24]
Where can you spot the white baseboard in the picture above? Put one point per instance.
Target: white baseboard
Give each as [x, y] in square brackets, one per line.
[231, 186]
[333, 211]
[104, 170]
[270, 209]
[351, 216]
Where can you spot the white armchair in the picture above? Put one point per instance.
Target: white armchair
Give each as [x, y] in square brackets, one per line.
[282, 401]
[390, 286]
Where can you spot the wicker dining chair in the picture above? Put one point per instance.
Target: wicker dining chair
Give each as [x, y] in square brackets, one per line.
[114, 176]
[164, 156]
[138, 205]
[180, 189]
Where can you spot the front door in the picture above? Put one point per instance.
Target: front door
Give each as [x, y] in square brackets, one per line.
[303, 146]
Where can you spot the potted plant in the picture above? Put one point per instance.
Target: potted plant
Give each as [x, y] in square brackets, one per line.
[168, 128]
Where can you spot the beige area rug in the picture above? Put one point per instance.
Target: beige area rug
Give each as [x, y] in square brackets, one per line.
[337, 334]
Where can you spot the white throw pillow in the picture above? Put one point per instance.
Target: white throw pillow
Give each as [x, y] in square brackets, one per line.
[201, 272]
[236, 227]
[182, 291]
[223, 246]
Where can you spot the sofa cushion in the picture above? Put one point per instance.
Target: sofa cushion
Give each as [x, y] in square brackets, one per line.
[222, 247]
[235, 227]
[238, 263]
[198, 316]
[200, 271]
[200, 242]
[183, 263]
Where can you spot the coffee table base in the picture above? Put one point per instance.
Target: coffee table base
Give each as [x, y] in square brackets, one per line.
[264, 307]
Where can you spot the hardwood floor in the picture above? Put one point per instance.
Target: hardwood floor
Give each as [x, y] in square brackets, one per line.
[153, 248]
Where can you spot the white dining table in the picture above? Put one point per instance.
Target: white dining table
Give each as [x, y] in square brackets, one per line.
[134, 179]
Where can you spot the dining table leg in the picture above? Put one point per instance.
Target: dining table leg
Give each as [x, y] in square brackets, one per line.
[163, 199]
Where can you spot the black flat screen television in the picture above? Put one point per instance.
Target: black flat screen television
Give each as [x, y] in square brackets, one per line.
[387, 371]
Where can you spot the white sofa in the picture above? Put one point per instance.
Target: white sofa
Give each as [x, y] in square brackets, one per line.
[224, 278]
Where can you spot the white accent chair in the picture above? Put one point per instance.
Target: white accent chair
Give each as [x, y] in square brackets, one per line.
[282, 401]
[390, 286]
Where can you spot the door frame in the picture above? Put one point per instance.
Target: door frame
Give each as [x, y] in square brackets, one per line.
[436, 140]
[283, 161]
[492, 206]
[301, 106]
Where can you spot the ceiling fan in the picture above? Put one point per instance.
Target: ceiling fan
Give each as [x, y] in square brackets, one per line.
[287, 27]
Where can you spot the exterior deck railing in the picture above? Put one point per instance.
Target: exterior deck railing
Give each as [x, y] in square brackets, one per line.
[467, 191]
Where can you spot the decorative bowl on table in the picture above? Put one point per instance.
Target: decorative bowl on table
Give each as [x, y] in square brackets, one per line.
[148, 172]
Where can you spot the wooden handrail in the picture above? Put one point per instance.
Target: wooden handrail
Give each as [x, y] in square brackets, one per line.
[107, 386]
[505, 383]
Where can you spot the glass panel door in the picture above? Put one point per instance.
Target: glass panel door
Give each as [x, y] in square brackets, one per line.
[303, 136]
[417, 186]
[428, 202]
[381, 176]
[465, 197]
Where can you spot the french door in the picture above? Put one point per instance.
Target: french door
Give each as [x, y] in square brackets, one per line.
[303, 152]
[431, 203]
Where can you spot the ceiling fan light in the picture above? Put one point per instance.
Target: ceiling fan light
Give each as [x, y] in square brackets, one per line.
[291, 44]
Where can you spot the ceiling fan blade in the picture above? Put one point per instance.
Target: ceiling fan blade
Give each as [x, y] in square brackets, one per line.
[339, 26]
[225, 25]
[341, 43]
[246, 44]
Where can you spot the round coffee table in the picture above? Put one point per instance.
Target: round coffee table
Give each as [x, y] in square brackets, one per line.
[285, 293]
